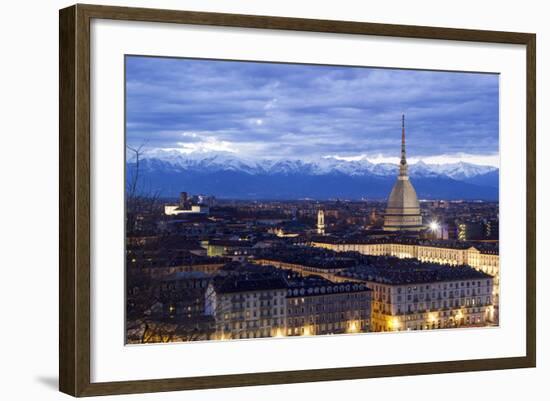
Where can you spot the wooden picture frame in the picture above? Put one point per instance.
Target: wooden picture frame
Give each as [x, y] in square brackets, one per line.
[74, 204]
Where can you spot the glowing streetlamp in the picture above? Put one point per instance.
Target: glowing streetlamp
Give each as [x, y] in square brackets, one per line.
[434, 226]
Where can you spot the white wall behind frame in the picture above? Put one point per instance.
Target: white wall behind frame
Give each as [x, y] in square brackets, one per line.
[111, 361]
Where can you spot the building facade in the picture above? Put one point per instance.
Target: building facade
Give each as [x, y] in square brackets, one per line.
[317, 307]
[182, 294]
[447, 253]
[247, 306]
[175, 210]
[406, 300]
[444, 253]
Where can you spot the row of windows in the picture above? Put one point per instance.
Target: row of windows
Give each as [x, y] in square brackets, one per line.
[439, 295]
[427, 287]
[330, 307]
[455, 314]
[253, 314]
[337, 288]
[442, 254]
[329, 317]
[253, 334]
[339, 297]
[253, 324]
[255, 295]
[439, 324]
[435, 306]
[325, 328]
[256, 304]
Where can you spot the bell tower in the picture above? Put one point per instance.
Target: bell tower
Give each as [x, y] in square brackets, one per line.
[321, 222]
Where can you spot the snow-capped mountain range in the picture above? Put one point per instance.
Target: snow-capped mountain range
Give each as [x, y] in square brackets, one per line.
[326, 165]
[211, 172]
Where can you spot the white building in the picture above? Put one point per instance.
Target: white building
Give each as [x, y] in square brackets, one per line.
[174, 210]
[247, 307]
[438, 298]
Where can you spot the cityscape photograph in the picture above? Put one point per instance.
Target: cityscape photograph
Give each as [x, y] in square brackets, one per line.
[268, 199]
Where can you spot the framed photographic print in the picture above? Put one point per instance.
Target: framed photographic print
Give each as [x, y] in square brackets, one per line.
[249, 200]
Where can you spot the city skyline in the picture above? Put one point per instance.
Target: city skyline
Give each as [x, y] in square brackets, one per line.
[289, 111]
[265, 218]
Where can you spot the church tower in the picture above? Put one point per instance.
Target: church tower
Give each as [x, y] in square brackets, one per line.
[320, 222]
[403, 209]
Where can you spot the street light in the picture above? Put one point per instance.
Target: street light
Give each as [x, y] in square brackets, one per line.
[434, 226]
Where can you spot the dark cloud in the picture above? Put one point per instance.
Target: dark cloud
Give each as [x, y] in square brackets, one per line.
[290, 110]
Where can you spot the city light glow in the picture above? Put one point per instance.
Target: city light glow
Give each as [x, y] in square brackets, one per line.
[393, 323]
[353, 327]
[491, 312]
[432, 317]
[434, 226]
[230, 249]
[279, 333]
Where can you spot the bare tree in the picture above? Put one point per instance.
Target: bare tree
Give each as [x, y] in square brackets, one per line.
[139, 200]
[149, 330]
[134, 179]
[148, 322]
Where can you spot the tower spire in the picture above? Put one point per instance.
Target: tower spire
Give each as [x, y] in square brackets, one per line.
[403, 165]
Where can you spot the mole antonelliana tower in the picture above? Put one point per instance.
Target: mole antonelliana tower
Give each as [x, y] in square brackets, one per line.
[403, 209]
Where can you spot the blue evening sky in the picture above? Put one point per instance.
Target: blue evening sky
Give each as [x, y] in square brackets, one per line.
[269, 110]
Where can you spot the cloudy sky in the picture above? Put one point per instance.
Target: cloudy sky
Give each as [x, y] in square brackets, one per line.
[268, 110]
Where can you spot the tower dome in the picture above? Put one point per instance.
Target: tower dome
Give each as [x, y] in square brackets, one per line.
[403, 209]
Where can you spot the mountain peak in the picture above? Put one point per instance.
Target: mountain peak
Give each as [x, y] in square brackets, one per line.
[227, 161]
[228, 175]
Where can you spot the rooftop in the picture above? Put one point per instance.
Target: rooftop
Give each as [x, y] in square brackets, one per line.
[306, 256]
[249, 283]
[417, 273]
[231, 243]
[166, 242]
[483, 247]
[167, 258]
[191, 275]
